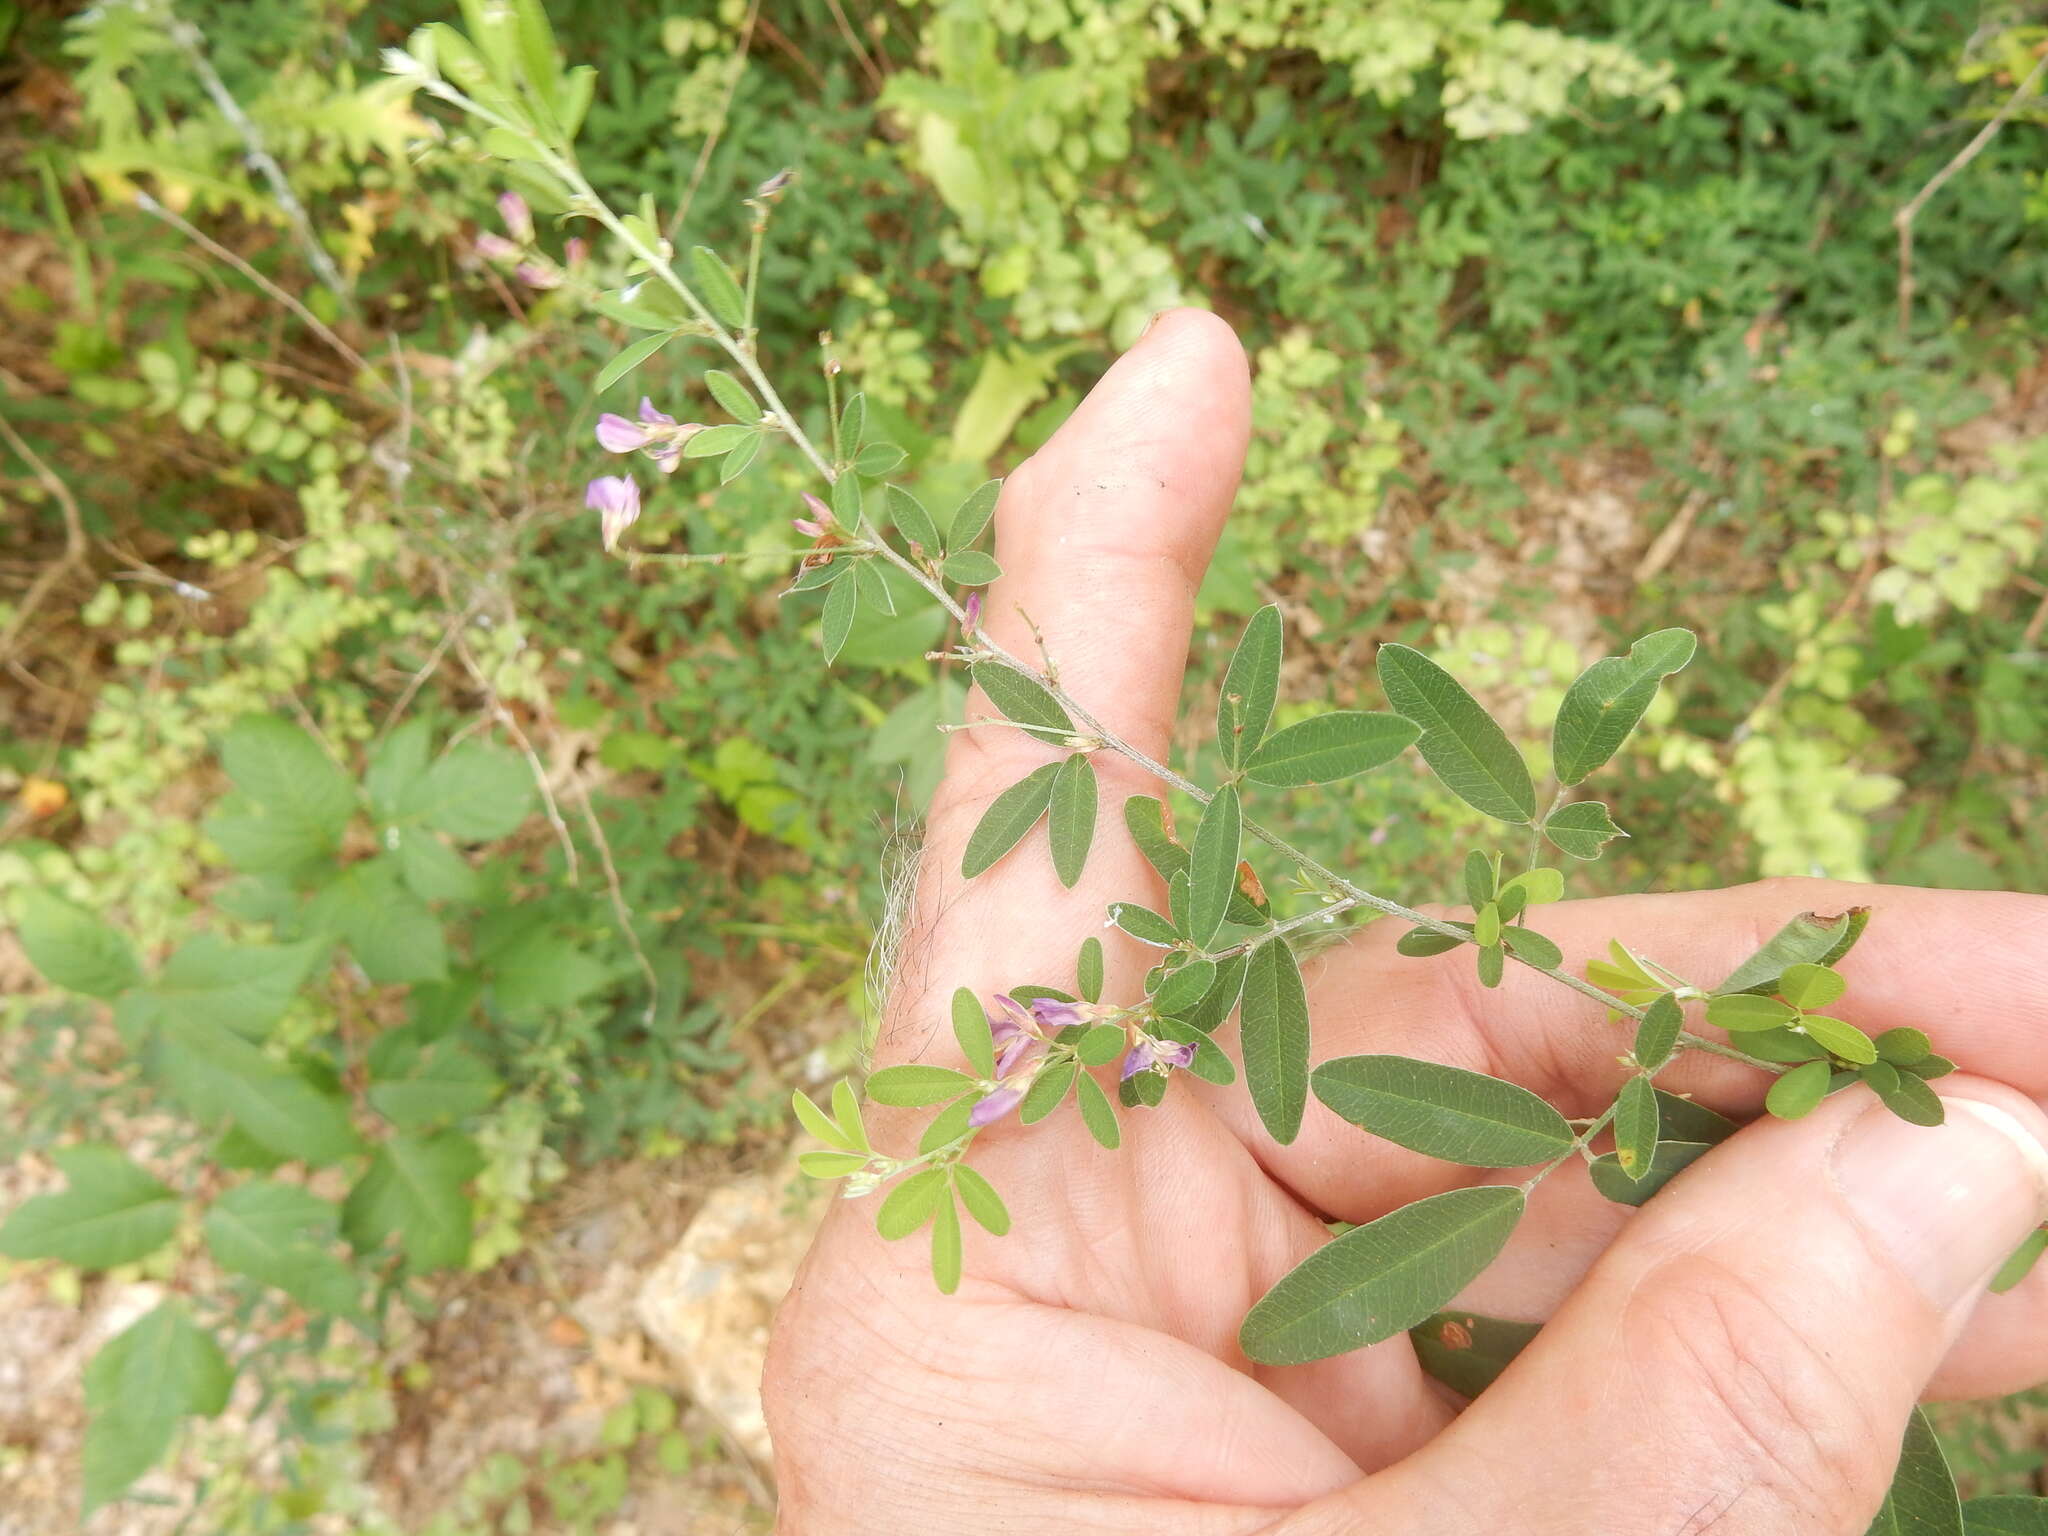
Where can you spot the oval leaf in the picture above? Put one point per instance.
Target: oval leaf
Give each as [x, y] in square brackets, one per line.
[1273, 1019]
[1382, 1278]
[1013, 813]
[1461, 742]
[1251, 685]
[1325, 748]
[1444, 1112]
[1609, 698]
[1670, 1159]
[1071, 823]
[1021, 699]
[1212, 866]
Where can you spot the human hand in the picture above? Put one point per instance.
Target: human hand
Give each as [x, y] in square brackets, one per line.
[1739, 1356]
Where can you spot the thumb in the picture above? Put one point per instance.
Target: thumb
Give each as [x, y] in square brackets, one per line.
[1745, 1357]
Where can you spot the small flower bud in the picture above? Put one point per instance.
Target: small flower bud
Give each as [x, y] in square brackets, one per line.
[970, 622]
[517, 216]
[496, 248]
[775, 184]
[538, 274]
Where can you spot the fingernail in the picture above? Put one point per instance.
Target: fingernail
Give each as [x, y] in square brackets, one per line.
[1948, 1203]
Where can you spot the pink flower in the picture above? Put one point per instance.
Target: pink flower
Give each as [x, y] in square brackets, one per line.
[657, 434]
[820, 520]
[574, 250]
[616, 501]
[496, 248]
[1161, 1056]
[538, 274]
[517, 216]
[971, 614]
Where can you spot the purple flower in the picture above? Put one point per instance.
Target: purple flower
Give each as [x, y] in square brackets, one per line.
[995, 1106]
[616, 501]
[1053, 1014]
[615, 434]
[1015, 1032]
[1161, 1056]
[972, 614]
[495, 247]
[574, 249]
[517, 216]
[657, 434]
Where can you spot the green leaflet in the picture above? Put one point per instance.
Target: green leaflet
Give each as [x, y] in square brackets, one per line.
[911, 519]
[2021, 1264]
[842, 602]
[109, 1213]
[946, 1246]
[1683, 1120]
[1923, 1499]
[973, 514]
[721, 295]
[981, 1199]
[971, 568]
[1635, 1128]
[1046, 1091]
[1807, 939]
[1088, 969]
[1609, 698]
[1184, 988]
[911, 1204]
[1669, 1160]
[1212, 866]
[916, 1086]
[853, 423]
[631, 358]
[1444, 1112]
[1467, 1351]
[1143, 923]
[1021, 699]
[1657, 1034]
[1209, 1014]
[732, 395]
[1325, 748]
[1461, 742]
[1250, 687]
[1071, 819]
[1010, 815]
[75, 949]
[1274, 1039]
[1582, 828]
[1382, 1278]
[970, 1028]
[1097, 1113]
[2006, 1515]
[1797, 1093]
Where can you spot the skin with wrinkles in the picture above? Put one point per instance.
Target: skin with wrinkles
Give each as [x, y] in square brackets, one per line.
[1702, 1370]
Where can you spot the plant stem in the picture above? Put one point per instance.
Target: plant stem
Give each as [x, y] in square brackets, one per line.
[985, 649]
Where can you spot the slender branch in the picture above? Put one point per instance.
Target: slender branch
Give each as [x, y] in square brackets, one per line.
[191, 43]
[1903, 219]
[658, 263]
[74, 539]
[320, 328]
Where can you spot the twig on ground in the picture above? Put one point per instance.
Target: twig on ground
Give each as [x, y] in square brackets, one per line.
[1903, 219]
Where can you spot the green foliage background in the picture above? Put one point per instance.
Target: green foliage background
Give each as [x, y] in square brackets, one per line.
[1568, 324]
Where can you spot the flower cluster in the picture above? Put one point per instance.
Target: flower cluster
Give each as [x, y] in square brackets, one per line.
[532, 268]
[1022, 1035]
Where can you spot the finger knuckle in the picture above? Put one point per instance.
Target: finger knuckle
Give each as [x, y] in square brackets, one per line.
[1782, 1419]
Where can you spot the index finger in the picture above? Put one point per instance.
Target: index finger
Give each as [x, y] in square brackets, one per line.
[1103, 536]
